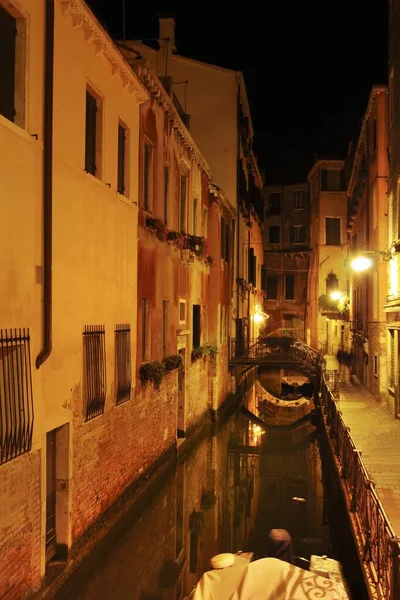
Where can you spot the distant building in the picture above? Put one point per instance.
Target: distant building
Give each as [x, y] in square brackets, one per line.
[213, 102]
[393, 299]
[286, 255]
[327, 327]
[368, 229]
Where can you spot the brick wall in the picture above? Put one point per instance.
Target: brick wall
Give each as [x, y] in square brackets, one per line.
[113, 450]
[197, 390]
[20, 526]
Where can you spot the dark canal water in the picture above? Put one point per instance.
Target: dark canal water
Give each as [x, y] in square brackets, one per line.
[236, 484]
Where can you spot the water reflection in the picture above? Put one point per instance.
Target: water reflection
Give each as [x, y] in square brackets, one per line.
[225, 496]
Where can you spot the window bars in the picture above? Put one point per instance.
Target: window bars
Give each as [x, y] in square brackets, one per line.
[16, 398]
[94, 351]
[123, 367]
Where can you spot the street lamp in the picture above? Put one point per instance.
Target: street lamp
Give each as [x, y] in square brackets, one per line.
[365, 260]
[259, 316]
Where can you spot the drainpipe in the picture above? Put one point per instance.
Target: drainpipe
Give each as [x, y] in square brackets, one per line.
[47, 185]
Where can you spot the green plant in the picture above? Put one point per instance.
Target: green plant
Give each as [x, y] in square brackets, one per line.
[202, 351]
[152, 371]
[197, 522]
[210, 350]
[208, 499]
[172, 361]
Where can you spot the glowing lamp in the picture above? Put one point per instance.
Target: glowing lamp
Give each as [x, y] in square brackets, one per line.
[336, 295]
[258, 318]
[361, 263]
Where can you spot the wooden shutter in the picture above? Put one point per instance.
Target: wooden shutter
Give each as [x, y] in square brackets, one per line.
[121, 159]
[90, 137]
[7, 64]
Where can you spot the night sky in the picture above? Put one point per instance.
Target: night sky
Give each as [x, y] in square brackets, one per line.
[309, 66]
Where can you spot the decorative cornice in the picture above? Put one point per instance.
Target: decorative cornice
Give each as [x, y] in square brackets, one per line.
[157, 91]
[219, 194]
[359, 149]
[83, 18]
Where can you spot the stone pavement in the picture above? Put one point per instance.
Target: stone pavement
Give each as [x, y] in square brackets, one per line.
[376, 433]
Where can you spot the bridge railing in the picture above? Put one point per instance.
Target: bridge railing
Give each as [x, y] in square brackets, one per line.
[378, 546]
[274, 348]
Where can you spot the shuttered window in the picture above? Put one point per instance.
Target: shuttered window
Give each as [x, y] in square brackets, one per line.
[332, 228]
[272, 287]
[121, 176]
[196, 326]
[8, 28]
[289, 287]
[90, 133]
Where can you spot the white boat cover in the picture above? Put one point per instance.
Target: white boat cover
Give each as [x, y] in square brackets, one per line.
[265, 579]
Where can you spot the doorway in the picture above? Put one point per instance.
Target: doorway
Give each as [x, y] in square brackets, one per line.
[57, 494]
[181, 396]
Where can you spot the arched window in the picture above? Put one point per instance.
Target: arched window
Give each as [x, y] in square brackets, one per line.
[332, 283]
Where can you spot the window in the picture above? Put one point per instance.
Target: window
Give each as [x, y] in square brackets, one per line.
[376, 365]
[332, 229]
[274, 201]
[274, 234]
[391, 95]
[272, 287]
[373, 136]
[332, 283]
[182, 312]
[12, 65]
[195, 208]
[222, 312]
[204, 223]
[94, 368]
[166, 194]
[252, 267]
[196, 326]
[289, 287]
[165, 327]
[224, 240]
[147, 177]
[332, 180]
[93, 133]
[298, 234]
[123, 366]
[182, 204]
[298, 199]
[392, 364]
[16, 399]
[146, 329]
[123, 160]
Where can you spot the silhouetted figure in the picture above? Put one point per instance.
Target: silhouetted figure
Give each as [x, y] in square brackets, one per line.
[279, 545]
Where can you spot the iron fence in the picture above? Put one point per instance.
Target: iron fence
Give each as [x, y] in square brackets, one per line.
[378, 546]
[94, 346]
[16, 397]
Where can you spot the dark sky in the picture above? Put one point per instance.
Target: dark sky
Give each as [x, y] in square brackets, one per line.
[309, 66]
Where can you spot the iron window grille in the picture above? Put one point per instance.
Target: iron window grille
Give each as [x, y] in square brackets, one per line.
[94, 349]
[123, 365]
[16, 397]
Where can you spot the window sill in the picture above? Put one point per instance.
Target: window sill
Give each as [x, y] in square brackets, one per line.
[18, 130]
[125, 199]
[97, 180]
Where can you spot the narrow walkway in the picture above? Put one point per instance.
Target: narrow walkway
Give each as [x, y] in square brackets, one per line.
[376, 433]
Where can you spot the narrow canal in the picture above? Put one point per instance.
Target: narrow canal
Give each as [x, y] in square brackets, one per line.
[236, 483]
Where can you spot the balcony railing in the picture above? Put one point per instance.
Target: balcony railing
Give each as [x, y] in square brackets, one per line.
[378, 546]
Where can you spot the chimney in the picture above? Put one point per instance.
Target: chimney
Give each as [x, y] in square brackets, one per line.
[167, 31]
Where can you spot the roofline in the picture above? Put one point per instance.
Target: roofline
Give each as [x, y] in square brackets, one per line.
[83, 17]
[376, 89]
[320, 161]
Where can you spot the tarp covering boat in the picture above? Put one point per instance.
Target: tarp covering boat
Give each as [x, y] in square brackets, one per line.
[265, 579]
